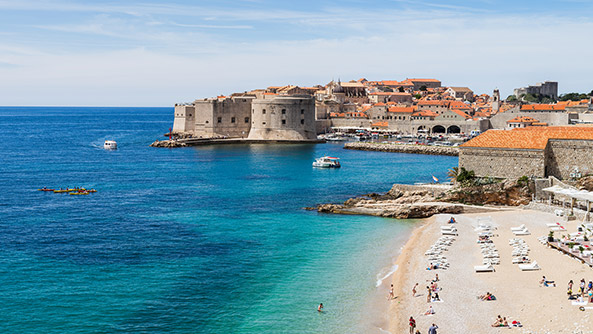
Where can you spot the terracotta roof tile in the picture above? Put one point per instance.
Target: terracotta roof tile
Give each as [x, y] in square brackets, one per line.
[528, 138]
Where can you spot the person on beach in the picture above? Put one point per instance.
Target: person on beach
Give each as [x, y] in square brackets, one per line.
[320, 307]
[546, 283]
[433, 329]
[436, 297]
[429, 295]
[505, 323]
[391, 295]
[414, 290]
[436, 277]
[430, 311]
[569, 292]
[498, 322]
[452, 220]
[582, 287]
[412, 325]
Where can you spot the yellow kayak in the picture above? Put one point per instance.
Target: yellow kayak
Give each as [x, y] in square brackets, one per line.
[64, 190]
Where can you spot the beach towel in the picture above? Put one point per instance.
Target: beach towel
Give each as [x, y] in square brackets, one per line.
[578, 303]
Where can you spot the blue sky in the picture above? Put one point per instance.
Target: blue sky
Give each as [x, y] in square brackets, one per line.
[157, 53]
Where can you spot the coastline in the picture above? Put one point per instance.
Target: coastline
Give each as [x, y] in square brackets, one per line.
[519, 296]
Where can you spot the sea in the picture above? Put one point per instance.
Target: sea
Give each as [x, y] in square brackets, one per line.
[209, 239]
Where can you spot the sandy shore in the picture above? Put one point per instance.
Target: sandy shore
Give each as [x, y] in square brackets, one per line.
[519, 295]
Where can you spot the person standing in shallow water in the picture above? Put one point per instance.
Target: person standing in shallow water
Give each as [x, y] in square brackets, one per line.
[320, 307]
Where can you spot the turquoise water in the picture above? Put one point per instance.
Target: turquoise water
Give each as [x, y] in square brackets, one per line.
[192, 240]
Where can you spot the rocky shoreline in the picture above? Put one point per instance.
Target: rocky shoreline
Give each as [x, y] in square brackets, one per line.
[403, 148]
[423, 201]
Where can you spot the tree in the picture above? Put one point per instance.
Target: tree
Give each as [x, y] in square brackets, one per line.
[423, 88]
[511, 98]
[452, 173]
[573, 97]
[418, 96]
[401, 89]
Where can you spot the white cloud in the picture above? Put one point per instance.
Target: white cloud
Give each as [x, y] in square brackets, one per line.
[161, 67]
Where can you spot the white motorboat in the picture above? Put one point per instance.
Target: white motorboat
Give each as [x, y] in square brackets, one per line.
[110, 145]
[327, 162]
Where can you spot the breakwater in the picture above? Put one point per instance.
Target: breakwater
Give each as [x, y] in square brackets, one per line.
[403, 148]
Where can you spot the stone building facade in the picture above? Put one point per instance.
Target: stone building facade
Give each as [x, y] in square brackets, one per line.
[532, 151]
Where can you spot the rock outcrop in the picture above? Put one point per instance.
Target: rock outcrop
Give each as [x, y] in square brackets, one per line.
[585, 183]
[403, 148]
[506, 193]
[421, 201]
[167, 143]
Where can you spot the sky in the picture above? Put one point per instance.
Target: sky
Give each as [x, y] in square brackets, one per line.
[158, 53]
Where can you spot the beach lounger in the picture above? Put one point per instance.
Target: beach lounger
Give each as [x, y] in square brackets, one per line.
[524, 232]
[529, 267]
[577, 303]
[449, 232]
[519, 228]
[484, 268]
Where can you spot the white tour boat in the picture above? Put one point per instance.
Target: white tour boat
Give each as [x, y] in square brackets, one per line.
[327, 162]
[110, 145]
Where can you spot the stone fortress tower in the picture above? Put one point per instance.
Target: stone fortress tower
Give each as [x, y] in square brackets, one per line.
[283, 118]
[265, 118]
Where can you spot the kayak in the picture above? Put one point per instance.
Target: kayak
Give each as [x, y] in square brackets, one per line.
[45, 189]
[64, 190]
[80, 193]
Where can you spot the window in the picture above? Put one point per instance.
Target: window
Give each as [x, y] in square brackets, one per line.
[263, 111]
[263, 123]
[302, 121]
[283, 111]
[207, 122]
[302, 111]
[283, 121]
[246, 119]
[219, 119]
[232, 120]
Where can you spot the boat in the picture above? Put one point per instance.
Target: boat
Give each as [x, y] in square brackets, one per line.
[327, 162]
[110, 145]
[64, 190]
[45, 189]
[80, 193]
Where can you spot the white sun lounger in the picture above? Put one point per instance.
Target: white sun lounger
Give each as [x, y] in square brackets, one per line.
[520, 228]
[484, 268]
[528, 267]
[524, 232]
[449, 232]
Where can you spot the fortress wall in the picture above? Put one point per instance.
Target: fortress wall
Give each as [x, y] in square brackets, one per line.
[499, 121]
[229, 117]
[184, 118]
[283, 118]
[503, 163]
[567, 156]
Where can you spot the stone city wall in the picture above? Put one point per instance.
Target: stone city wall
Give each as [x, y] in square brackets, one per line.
[565, 157]
[503, 163]
[499, 121]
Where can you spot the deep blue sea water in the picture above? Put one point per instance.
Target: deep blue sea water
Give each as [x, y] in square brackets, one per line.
[210, 239]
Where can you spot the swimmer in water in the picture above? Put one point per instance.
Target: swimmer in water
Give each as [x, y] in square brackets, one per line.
[320, 307]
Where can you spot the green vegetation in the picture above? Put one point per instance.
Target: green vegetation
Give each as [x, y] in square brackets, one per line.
[511, 98]
[418, 96]
[523, 181]
[423, 88]
[537, 98]
[401, 89]
[574, 96]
